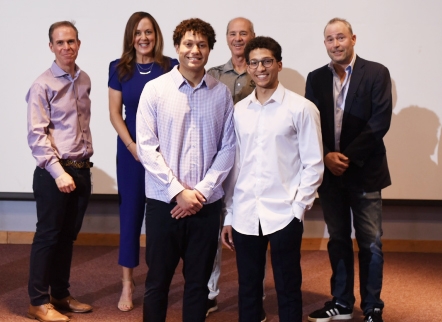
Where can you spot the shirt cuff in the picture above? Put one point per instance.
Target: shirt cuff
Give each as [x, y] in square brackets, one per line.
[206, 191]
[228, 219]
[298, 211]
[55, 169]
[174, 188]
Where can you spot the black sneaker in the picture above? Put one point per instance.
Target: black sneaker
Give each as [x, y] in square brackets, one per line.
[374, 316]
[263, 315]
[331, 311]
[212, 306]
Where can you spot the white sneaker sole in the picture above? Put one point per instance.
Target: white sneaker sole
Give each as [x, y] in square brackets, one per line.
[336, 317]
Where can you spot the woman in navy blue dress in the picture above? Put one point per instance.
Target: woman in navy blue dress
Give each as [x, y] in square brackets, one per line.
[142, 60]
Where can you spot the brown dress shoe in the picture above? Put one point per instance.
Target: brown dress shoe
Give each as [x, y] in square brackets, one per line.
[46, 313]
[71, 304]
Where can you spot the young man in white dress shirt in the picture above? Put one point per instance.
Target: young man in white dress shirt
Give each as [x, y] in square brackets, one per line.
[186, 142]
[278, 168]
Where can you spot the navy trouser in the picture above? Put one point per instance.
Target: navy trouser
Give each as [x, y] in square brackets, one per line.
[195, 240]
[285, 251]
[59, 219]
[337, 205]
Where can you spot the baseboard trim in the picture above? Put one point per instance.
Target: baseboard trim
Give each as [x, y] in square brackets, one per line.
[97, 239]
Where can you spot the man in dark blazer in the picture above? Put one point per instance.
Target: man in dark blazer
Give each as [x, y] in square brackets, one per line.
[353, 96]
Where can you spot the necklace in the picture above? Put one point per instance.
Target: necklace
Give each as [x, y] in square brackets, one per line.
[144, 71]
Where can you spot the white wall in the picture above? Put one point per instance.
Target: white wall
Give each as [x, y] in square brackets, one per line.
[403, 35]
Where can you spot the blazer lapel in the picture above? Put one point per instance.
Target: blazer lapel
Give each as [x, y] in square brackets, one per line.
[356, 77]
[328, 96]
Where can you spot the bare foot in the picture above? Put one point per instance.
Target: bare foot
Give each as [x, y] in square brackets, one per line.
[125, 303]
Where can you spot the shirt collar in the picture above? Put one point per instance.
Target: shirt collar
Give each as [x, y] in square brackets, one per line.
[207, 80]
[349, 67]
[228, 66]
[58, 72]
[277, 96]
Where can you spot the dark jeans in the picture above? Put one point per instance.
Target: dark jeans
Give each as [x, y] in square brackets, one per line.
[195, 240]
[285, 251]
[337, 205]
[59, 219]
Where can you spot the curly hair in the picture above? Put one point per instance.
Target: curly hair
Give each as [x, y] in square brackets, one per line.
[55, 25]
[264, 43]
[126, 65]
[196, 25]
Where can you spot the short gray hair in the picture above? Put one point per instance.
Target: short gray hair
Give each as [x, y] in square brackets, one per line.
[252, 30]
[345, 22]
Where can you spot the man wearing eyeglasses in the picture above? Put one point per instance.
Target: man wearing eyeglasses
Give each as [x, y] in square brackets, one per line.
[278, 167]
[354, 98]
[234, 75]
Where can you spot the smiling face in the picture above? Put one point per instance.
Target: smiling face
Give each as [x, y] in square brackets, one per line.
[339, 43]
[264, 77]
[239, 33]
[144, 40]
[65, 46]
[193, 53]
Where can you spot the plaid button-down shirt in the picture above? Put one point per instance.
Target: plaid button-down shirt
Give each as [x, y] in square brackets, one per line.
[185, 136]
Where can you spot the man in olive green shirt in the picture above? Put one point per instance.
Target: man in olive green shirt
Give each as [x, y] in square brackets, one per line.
[234, 73]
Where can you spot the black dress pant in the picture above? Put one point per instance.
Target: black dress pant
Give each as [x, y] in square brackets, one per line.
[59, 219]
[195, 240]
[285, 251]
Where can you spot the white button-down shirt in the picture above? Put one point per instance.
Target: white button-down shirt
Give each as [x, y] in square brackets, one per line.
[185, 136]
[278, 165]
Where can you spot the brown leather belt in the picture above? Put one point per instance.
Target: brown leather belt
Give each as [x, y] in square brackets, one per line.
[86, 164]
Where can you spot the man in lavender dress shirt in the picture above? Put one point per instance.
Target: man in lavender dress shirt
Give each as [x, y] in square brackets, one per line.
[186, 142]
[60, 139]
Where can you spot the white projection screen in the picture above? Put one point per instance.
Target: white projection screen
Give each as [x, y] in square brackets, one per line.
[405, 36]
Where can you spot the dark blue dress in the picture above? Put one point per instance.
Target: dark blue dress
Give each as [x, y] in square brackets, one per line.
[130, 173]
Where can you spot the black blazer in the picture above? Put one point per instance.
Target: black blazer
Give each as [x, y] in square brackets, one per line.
[366, 120]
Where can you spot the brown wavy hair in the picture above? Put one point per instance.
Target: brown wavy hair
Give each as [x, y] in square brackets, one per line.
[126, 65]
[196, 25]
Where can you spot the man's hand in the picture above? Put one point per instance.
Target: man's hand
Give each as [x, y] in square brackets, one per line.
[226, 237]
[65, 183]
[189, 202]
[336, 162]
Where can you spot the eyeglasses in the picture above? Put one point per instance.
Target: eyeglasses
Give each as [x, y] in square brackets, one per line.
[266, 62]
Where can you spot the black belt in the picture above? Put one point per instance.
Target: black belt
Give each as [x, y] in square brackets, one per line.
[86, 164]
